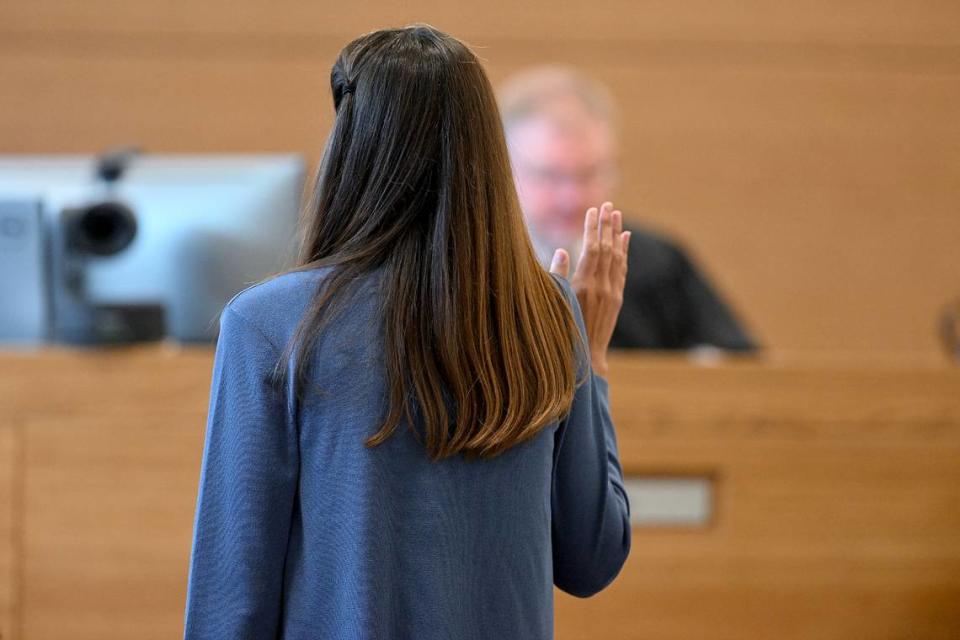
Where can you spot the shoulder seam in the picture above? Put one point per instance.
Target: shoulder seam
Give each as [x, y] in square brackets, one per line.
[255, 326]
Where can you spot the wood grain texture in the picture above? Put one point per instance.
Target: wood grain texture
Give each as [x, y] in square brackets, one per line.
[838, 503]
[110, 469]
[929, 22]
[107, 556]
[837, 495]
[9, 536]
[807, 154]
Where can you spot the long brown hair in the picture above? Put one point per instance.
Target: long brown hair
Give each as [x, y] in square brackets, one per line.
[415, 178]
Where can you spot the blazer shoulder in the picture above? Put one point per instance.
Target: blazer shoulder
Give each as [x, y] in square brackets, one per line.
[275, 304]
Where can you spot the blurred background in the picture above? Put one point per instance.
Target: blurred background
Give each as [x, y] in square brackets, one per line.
[807, 152]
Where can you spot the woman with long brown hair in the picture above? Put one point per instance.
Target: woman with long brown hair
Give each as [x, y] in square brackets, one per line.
[409, 434]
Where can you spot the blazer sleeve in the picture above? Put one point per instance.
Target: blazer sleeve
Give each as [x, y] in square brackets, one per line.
[591, 512]
[248, 479]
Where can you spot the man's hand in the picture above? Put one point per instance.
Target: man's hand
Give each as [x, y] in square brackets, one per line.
[599, 277]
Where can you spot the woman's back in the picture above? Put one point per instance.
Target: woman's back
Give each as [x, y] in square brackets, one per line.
[406, 438]
[305, 532]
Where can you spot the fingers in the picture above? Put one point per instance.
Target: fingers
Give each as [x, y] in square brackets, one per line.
[561, 263]
[590, 226]
[624, 243]
[606, 239]
[617, 261]
[602, 237]
[588, 255]
[600, 275]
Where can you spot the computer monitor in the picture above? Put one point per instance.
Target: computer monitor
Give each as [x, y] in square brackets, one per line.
[207, 226]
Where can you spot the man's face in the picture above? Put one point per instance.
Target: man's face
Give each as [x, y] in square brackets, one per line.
[561, 169]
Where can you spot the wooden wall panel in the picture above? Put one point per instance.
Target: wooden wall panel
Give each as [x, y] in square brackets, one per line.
[9, 534]
[107, 522]
[837, 496]
[110, 466]
[807, 154]
[838, 505]
[902, 21]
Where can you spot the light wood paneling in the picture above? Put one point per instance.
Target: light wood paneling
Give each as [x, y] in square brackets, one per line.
[837, 510]
[107, 522]
[807, 154]
[9, 537]
[927, 22]
[111, 461]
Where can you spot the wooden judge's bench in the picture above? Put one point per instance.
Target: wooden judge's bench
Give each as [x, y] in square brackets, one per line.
[822, 492]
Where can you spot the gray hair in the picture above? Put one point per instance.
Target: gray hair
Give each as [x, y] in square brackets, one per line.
[533, 91]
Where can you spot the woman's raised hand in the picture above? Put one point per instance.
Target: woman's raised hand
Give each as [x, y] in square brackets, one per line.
[599, 277]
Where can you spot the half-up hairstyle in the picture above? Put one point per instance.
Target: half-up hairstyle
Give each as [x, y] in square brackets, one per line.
[415, 178]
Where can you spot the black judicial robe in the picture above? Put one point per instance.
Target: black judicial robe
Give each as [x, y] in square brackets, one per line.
[669, 304]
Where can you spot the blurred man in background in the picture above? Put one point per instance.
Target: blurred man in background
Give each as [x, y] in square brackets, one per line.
[561, 133]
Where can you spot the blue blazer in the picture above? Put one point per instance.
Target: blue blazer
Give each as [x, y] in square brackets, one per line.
[303, 532]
